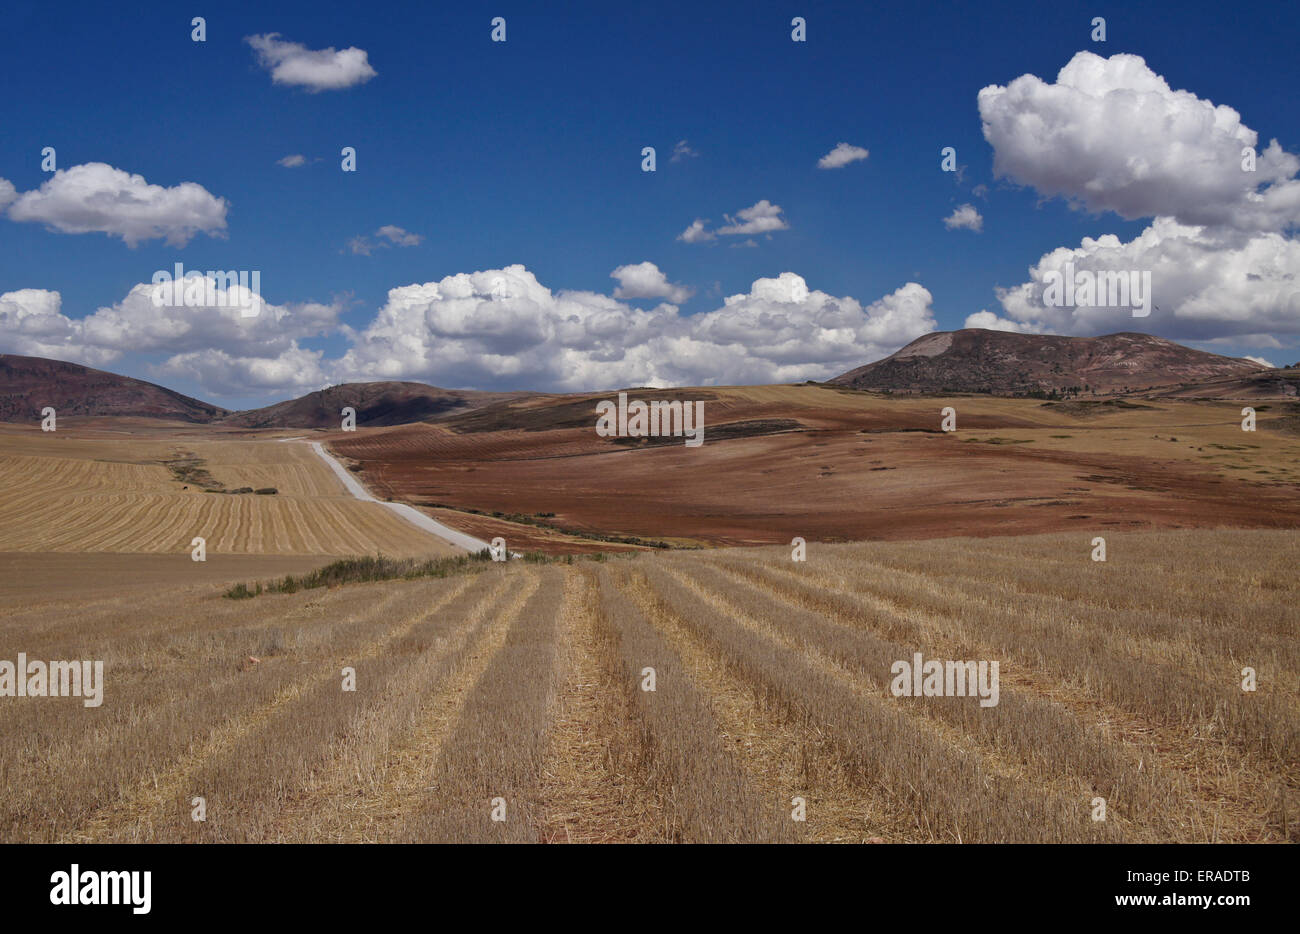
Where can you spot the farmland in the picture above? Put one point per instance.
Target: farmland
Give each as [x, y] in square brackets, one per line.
[511, 701]
[838, 465]
[146, 490]
[523, 682]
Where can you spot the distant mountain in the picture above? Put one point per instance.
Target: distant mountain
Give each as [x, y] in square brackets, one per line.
[1003, 363]
[29, 384]
[376, 404]
[971, 360]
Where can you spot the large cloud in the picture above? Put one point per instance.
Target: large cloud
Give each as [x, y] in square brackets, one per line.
[1207, 284]
[32, 322]
[504, 328]
[323, 70]
[97, 198]
[1110, 135]
[498, 328]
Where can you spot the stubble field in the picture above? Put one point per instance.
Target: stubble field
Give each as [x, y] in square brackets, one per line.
[145, 490]
[518, 688]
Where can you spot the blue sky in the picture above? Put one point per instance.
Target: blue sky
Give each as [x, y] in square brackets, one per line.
[528, 153]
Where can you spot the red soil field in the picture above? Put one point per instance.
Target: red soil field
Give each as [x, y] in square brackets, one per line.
[836, 465]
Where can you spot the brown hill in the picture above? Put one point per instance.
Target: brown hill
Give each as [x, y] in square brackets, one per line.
[376, 404]
[28, 384]
[1007, 364]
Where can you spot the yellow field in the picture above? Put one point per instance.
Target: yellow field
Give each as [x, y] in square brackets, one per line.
[99, 493]
[1119, 680]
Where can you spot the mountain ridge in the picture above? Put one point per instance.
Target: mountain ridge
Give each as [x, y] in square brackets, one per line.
[1007, 363]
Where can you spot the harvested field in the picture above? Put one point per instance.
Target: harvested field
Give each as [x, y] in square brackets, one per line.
[143, 492]
[515, 691]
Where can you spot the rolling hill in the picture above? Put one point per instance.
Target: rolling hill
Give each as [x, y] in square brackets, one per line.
[28, 384]
[376, 404]
[1006, 364]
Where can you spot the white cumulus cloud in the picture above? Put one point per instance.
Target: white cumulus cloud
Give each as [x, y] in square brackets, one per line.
[841, 156]
[696, 232]
[323, 70]
[97, 198]
[645, 280]
[32, 322]
[1111, 135]
[496, 328]
[965, 217]
[1206, 284]
[762, 217]
[504, 328]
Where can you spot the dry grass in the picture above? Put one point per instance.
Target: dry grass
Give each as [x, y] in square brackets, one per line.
[522, 681]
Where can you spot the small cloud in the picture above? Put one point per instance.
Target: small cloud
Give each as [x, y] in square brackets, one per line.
[397, 235]
[292, 162]
[841, 156]
[696, 232]
[746, 243]
[980, 191]
[762, 217]
[7, 192]
[324, 70]
[1261, 361]
[682, 151]
[965, 217]
[645, 280]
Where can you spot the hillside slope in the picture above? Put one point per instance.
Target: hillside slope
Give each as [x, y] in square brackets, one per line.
[1002, 363]
[376, 404]
[29, 384]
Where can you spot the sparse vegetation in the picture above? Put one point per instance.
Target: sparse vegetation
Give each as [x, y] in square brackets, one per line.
[188, 468]
[368, 569]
